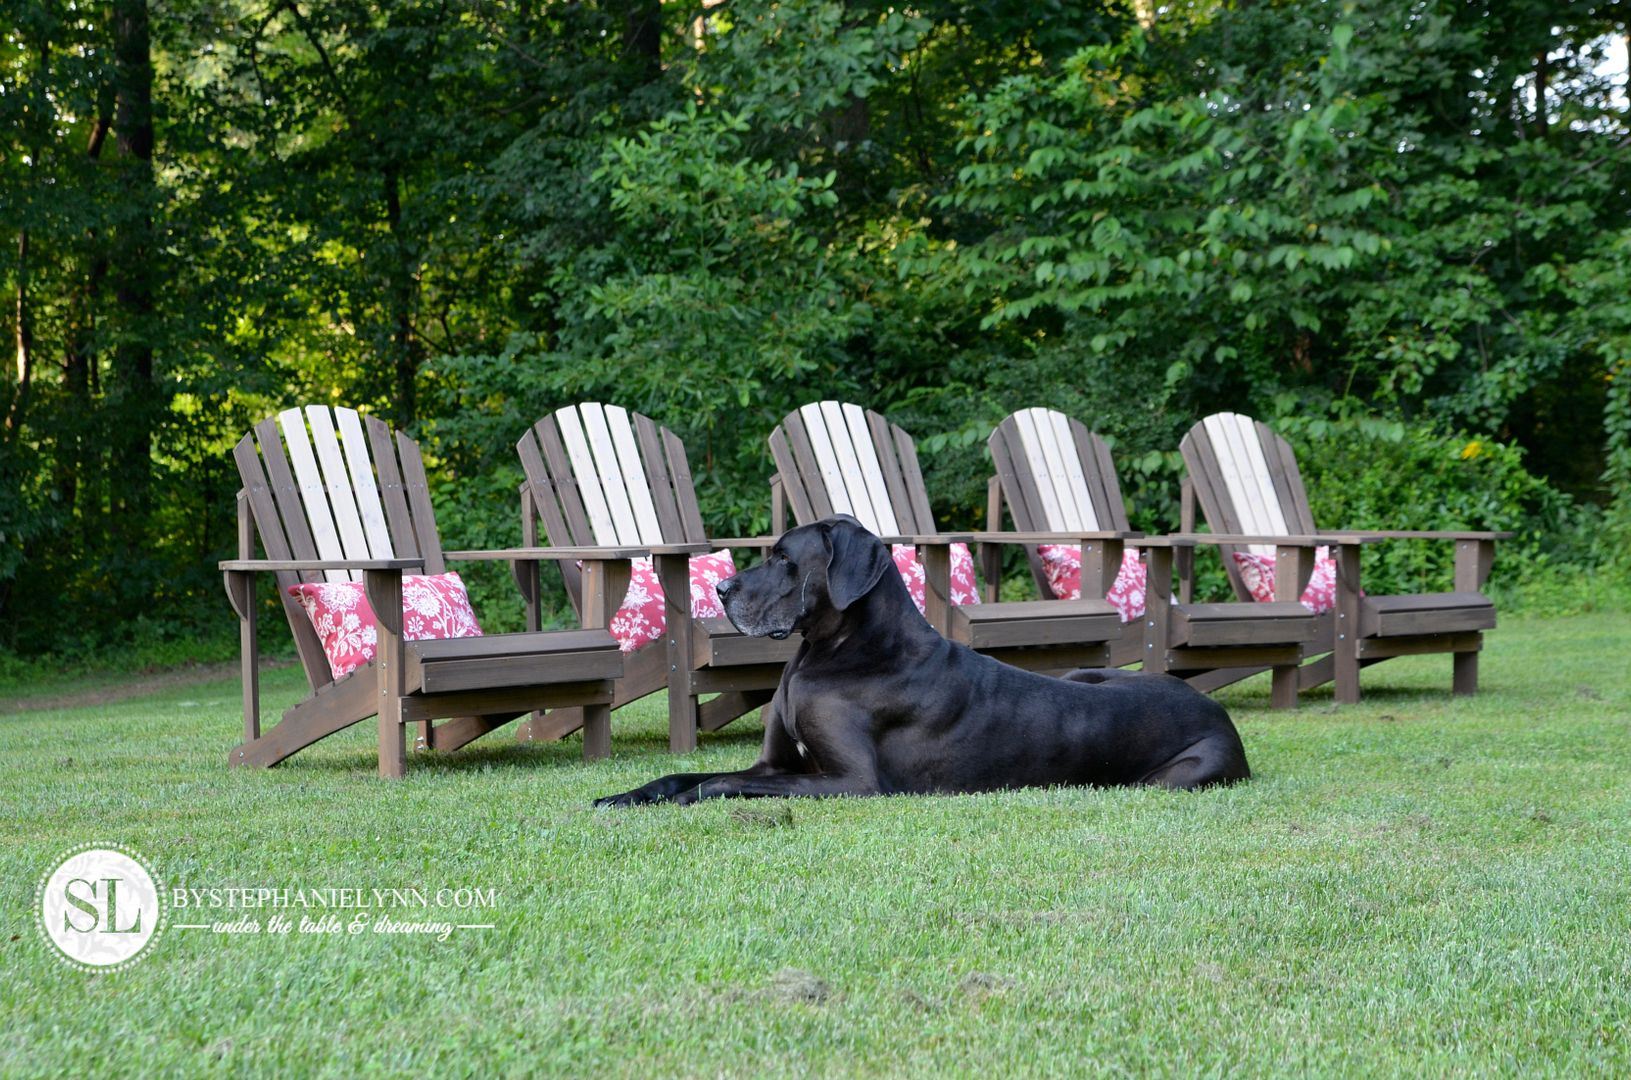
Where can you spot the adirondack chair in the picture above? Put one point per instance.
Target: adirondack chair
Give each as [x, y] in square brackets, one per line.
[334, 496]
[599, 474]
[837, 458]
[1052, 473]
[1245, 479]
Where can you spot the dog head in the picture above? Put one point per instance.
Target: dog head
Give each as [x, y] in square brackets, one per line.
[807, 581]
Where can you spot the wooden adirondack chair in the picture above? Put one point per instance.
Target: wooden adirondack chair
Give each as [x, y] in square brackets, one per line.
[335, 496]
[1245, 479]
[836, 458]
[599, 474]
[1052, 473]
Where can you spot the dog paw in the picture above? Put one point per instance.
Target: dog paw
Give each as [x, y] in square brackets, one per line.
[636, 797]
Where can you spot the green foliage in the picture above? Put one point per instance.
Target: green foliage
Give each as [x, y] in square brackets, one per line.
[1356, 214]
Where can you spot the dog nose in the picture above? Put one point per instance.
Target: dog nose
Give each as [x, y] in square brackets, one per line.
[724, 587]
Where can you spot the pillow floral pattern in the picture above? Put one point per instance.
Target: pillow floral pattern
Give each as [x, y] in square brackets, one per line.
[1063, 565]
[433, 606]
[964, 589]
[1257, 574]
[641, 619]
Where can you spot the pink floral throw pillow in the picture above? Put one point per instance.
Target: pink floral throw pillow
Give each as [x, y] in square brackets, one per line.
[434, 606]
[1257, 574]
[1063, 565]
[640, 619]
[964, 589]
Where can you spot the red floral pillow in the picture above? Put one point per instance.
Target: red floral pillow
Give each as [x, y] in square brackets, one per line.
[640, 619]
[1063, 565]
[434, 606]
[1257, 573]
[964, 589]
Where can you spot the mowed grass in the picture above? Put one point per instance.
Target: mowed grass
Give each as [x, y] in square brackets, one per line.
[1414, 885]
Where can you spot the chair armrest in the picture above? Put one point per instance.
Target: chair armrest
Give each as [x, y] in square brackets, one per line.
[1372, 536]
[759, 542]
[254, 565]
[1183, 540]
[998, 537]
[562, 554]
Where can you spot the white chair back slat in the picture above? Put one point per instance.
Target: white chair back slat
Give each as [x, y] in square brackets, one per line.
[815, 425]
[1075, 478]
[849, 466]
[337, 480]
[610, 472]
[312, 494]
[363, 484]
[866, 452]
[634, 475]
[1059, 450]
[588, 475]
[1246, 476]
[1031, 441]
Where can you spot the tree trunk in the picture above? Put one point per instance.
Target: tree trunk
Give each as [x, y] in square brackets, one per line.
[643, 37]
[135, 402]
[25, 342]
[400, 294]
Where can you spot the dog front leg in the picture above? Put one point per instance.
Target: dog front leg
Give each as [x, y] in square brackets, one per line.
[743, 786]
[665, 788]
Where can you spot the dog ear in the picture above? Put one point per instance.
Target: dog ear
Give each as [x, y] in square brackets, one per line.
[857, 563]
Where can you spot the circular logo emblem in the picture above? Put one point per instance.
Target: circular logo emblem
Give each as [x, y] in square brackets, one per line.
[101, 907]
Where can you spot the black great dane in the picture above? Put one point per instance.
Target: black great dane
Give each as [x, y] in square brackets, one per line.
[878, 703]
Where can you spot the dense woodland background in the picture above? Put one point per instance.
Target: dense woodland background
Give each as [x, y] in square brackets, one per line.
[1396, 231]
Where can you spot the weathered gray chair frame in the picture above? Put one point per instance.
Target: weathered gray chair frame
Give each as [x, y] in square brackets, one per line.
[347, 498]
[601, 474]
[838, 458]
[1244, 478]
[1052, 472]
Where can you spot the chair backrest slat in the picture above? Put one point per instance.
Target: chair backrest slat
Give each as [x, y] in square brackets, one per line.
[608, 471]
[831, 470]
[685, 487]
[649, 530]
[424, 516]
[1102, 483]
[1059, 509]
[312, 492]
[801, 476]
[1288, 480]
[660, 481]
[588, 477]
[1245, 478]
[398, 518]
[555, 488]
[1072, 478]
[286, 494]
[1245, 475]
[364, 488]
[866, 454]
[835, 458]
[337, 482]
[917, 513]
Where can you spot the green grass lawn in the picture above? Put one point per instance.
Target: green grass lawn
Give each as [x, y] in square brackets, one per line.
[1417, 884]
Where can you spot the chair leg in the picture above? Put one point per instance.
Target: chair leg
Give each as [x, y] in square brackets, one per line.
[1284, 692]
[683, 713]
[1347, 674]
[597, 732]
[393, 742]
[1465, 680]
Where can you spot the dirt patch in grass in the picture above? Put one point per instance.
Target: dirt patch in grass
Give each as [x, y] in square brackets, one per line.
[133, 686]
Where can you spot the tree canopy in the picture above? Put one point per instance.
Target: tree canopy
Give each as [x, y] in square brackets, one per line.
[1397, 232]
